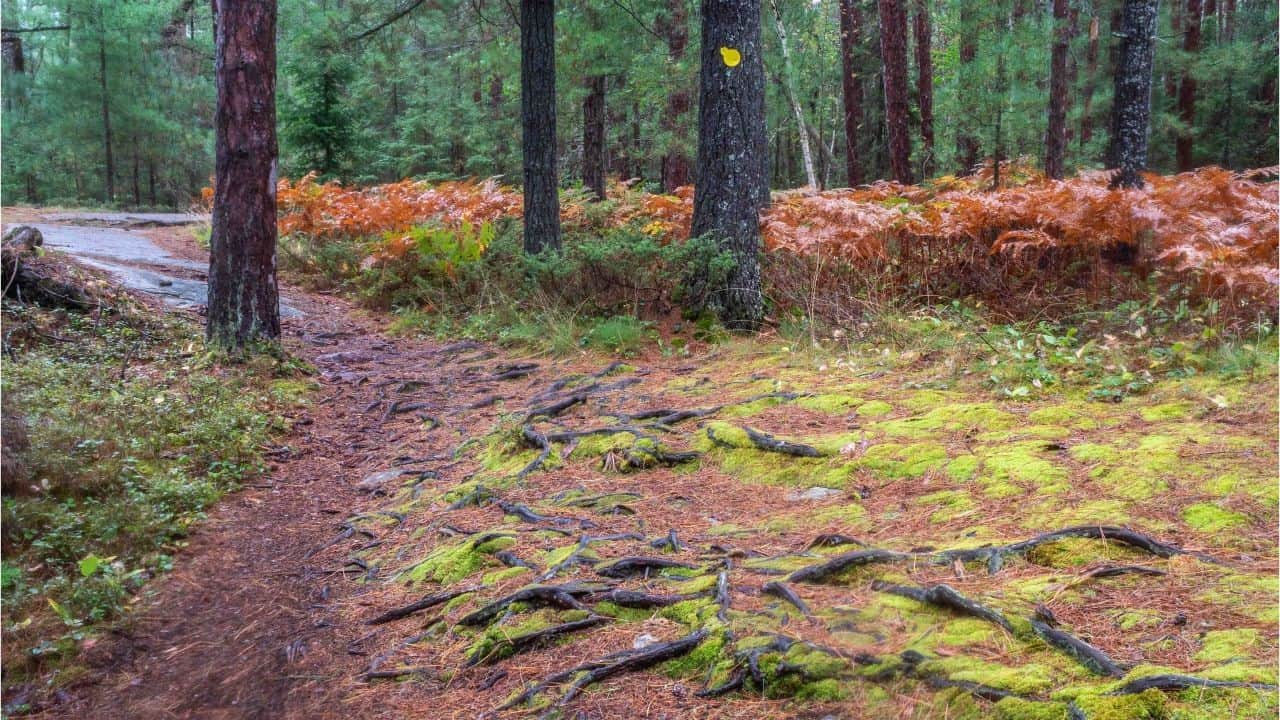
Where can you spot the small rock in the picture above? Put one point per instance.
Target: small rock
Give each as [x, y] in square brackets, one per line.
[813, 493]
[374, 482]
[643, 641]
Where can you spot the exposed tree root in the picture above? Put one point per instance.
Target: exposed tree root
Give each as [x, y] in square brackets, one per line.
[429, 601]
[557, 595]
[641, 600]
[520, 643]
[596, 670]
[1182, 682]
[945, 596]
[393, 674]
[513, 371]
[994, 556]
[638, 565]
[525, 513]
[1086, 654]
[537, 440]
[784, 592]
[845, 561]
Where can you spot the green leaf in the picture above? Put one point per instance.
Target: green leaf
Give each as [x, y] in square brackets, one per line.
[90, 564]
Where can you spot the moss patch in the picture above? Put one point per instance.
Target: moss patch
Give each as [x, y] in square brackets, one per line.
[1207, 517]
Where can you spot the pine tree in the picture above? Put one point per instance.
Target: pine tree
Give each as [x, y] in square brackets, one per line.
[893, 58]
[851, 84]
[1055, 137]
[1132, 105]
[538, 118]
[244, 304]
[732, 183]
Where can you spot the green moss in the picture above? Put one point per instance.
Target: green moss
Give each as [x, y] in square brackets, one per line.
[1012, 708]
[448, 564]
[955, 417]
[963, 468]
[1025, 679]
[846, 513]
[1216, 703]
[1136, 619]
[1227, 645]
[624, 614]
[895, 461]
[874, 408]
[827, 690]
[1063, 415]
[1167, 411]
[699, 660]
[1147, 705]
[501, 638]
[830, 403]
[498, 576]
[1008, 470]
[1070, 553]
[966, 631]
[951, 504]
[1207, 517]
[690, 613]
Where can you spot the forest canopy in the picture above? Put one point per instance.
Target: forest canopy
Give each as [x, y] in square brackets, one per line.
[113, 101]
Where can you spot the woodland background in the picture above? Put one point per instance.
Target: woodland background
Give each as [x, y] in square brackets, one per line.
[112, 102]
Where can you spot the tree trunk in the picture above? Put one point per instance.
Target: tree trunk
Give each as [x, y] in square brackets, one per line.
[732, 184]
[966, 141]
[675, 161]
[244, 305]
[924, 83]
[1055, 138]
[893, 58]
[850, 38]
[593, 126]
[109, 186]
[137, 180]
[1090, 81]
[538, 118]
[1187, 89]
[1133, 91]
[151, 182]
[806, 153]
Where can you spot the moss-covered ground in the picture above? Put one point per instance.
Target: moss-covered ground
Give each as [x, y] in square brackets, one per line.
[907, 456]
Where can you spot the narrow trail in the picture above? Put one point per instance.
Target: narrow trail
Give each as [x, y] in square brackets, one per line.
[242, 628]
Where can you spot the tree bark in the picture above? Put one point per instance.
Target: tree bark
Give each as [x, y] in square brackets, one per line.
[924, 83]
[1133, 91]
[893, 57]
[806, 153]
[732, 184]
[538, 118]
[593, 127]
[1090, 81]
[109, 185]
[244, 304]
[850, 38]
[1187, 89]
[1055, 138]
[675, 161]
[966, 142]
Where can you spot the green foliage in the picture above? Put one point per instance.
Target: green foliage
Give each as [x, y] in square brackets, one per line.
[121, 463]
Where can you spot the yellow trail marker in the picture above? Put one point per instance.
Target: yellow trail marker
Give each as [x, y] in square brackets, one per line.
[730, 56]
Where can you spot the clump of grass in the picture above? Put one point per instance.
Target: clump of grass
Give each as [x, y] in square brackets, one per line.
[129, 442]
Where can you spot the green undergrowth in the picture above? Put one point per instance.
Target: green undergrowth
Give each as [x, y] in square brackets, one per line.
[130, 435]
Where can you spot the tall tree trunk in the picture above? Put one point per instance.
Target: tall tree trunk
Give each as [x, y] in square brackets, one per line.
[1187, 89]
[732, 184]
[675, 161]
[1055, 137]
[1090, 82]
[593, 125]
[893, 58]
[1117, 30]
[966, 141]
[806, 153]
[109, 185]
[1133, 91]
[538, 118]
[502, 149]
[151, 182]
[924, 83]
[137, 180]
[244, 305]
[850, 38]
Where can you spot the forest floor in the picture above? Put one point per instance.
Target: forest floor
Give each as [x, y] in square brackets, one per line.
[801, 534]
